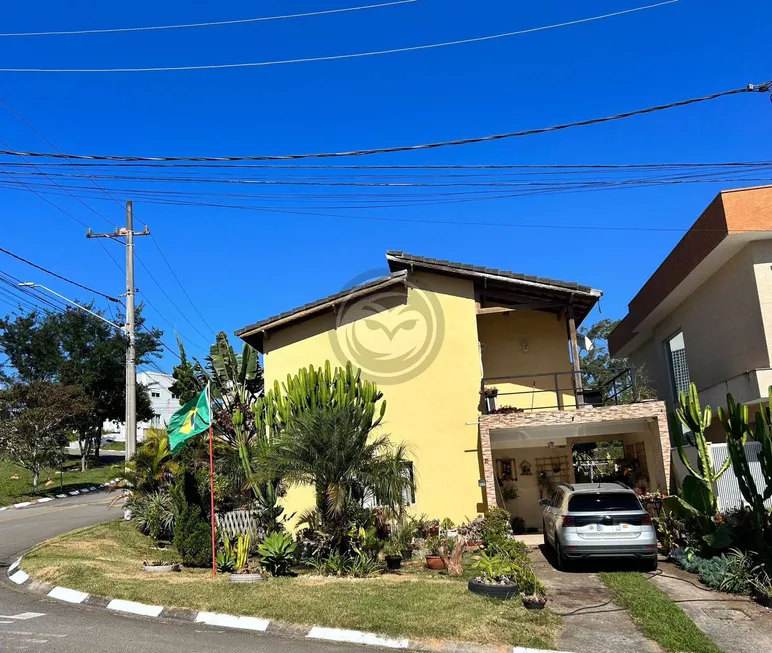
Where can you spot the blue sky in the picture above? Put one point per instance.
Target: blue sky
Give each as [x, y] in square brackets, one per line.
[241, 266]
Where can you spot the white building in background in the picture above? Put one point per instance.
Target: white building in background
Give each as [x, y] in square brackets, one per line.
[164, 403]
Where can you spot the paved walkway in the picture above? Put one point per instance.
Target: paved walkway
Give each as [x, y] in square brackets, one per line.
[735, 623]
[593, 622]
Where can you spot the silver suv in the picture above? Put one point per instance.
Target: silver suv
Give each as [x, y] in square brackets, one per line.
[598, 520]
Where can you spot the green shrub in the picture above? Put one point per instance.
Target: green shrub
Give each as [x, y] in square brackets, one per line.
[154, 514]
[711, 572]
[276, 552]
[738, 574]
[527, 581]
[516, 550]
[496, 527]
[192, 537]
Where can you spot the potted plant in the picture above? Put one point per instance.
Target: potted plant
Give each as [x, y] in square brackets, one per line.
[243, 572]
[403, 537]
[433, 559]
[160, 566]
[509, 492]
[496, 577]
[534, 592]
[393, 555]
[534, 602]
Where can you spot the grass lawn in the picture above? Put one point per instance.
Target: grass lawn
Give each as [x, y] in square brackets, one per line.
[16, 490]
[655, 613]
[113, 446]
[106, 560]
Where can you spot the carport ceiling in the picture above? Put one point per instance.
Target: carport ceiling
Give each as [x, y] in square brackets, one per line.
[534, 436]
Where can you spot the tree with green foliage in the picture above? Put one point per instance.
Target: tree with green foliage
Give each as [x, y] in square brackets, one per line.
[34, 422]
[75, 348]
[318, 429]
[186, 383]
[599, 367]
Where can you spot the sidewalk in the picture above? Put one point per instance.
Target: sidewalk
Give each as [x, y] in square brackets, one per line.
[734, 623]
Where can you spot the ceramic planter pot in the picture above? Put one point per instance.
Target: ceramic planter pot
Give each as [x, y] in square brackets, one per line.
[502, 592]
[245, 578]
[393, 562]
[435, 562]
[407, 554]
[162, 569]
[534, 605]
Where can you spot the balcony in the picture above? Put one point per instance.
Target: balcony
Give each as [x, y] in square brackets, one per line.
[551, 391]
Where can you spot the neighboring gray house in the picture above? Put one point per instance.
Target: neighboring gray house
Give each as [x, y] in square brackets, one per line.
[164, 403]
[705, 315]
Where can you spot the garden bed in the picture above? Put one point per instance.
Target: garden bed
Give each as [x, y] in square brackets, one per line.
[107, 559]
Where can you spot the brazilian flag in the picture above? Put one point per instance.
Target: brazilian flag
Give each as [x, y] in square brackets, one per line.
[193, 418]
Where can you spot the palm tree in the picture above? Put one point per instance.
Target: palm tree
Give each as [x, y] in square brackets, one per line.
[336, 452]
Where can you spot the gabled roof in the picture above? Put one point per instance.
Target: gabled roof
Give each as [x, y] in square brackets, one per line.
[401, 261]
[493, 287]
[254, 332]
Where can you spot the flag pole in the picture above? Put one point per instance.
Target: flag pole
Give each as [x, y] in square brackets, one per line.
[211, 480]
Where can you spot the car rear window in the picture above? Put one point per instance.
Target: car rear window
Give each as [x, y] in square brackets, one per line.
[601, 502]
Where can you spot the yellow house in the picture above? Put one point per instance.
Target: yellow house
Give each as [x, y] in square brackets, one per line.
[480, 372]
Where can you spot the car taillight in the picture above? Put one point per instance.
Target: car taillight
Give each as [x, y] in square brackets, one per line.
[646, 520]
[569, 520]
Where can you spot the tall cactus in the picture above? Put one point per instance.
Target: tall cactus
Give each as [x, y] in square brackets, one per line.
[322, 387]
[735, 422]
[691, 415]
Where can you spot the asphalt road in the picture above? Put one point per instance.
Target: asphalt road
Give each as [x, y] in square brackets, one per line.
[31, 623]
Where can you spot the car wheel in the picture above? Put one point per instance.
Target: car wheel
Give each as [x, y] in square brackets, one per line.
[651, 565]
[560, 561]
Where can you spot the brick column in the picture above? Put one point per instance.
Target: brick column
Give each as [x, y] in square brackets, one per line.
[487, 458]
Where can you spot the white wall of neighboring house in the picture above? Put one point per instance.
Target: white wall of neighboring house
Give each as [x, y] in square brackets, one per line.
[164, 403]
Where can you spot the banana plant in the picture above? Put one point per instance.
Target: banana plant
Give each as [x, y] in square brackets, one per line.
[691, 415]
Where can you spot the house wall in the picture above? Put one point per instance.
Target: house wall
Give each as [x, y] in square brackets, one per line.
[435, 411]
[527, 503]
[726, 323]
[164, 406]
[502, 336]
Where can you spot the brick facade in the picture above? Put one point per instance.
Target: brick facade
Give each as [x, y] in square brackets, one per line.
[587, 415]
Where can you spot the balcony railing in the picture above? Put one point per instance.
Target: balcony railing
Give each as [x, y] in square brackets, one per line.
[557, 390]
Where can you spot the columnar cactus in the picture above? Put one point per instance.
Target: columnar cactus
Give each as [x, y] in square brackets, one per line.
[691, 415]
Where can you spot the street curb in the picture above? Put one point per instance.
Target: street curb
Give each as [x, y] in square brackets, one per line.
[72, 493]
[248, 623]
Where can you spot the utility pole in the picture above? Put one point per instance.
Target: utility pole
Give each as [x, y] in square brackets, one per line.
[126, 235]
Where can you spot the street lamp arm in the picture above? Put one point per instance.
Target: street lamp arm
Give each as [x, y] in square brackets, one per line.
[29, 284]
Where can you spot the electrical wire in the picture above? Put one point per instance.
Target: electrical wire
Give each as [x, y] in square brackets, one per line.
[763, 88]
[50, 144]
[59, 276]
[338, 57]
[219, 23]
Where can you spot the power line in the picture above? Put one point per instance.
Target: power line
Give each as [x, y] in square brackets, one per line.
[763, 88]
[179, 283]
[219, 23]
[50, 144]
[59, 276]
[337, 57]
